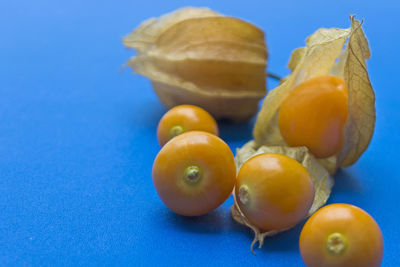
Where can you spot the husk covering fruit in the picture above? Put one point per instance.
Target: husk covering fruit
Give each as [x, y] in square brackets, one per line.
[325, 53]
[200, 57]
[321, 179]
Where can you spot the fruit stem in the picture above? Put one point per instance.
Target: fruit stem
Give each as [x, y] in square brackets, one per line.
[175, 131]
[273, 76]
[244, 194]
[336, 243]
[192, 174]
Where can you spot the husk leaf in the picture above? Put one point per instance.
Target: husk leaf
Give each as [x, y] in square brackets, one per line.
[197, 56]
[322, 181]
[361, 122]
[146, 34]
[325, 53]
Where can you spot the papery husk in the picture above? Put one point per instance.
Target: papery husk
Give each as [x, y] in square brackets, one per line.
[200, 57]
[324, 54]
[322, 181]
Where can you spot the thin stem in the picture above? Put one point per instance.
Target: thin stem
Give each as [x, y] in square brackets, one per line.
[244, 194]
[192, 174]
[175, 131]
[336, 243]
[273, 76]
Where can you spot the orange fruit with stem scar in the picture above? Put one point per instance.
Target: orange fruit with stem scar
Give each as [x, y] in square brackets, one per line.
[194, 173]
[273, 191]
[182, 119]
[341, 235]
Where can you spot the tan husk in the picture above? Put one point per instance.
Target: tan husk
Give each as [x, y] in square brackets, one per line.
[200, 57]
[322, 181]
[323, 54]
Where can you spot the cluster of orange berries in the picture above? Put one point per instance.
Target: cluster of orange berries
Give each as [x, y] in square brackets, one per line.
[195, 172]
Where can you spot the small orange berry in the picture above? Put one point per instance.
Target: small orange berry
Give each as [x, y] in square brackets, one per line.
[314, 115]
[194, 173]
[274, 191]
[185, 118]
[341, 235]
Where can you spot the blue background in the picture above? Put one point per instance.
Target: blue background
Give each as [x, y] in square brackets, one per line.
[77, 136]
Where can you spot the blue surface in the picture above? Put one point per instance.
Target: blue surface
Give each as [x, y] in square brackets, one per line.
[77, 137]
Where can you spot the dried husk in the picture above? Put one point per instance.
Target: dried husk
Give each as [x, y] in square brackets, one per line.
[325, 53]
[200, 57]
[322, 181]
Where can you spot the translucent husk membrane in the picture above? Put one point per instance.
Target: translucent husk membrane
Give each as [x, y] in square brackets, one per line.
[322, 181]
[200, 57]
[326, 52]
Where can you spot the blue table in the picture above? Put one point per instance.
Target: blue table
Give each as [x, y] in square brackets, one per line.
[77, 136]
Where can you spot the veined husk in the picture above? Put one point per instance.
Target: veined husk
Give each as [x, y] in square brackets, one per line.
[325, 53]
[322, 181]
[200, 57]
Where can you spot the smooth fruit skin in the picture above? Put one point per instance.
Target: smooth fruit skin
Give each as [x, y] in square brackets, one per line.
[185, 118]
[314, 115]
[280, 191]
[361, 235]
[207, 153]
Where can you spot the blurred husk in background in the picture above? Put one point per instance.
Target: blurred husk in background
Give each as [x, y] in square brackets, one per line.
[200, 57]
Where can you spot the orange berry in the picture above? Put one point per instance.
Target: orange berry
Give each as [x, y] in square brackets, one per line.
[274, 191]
[185, 118]
[341, 235]
[194, 173]
[314, 115]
